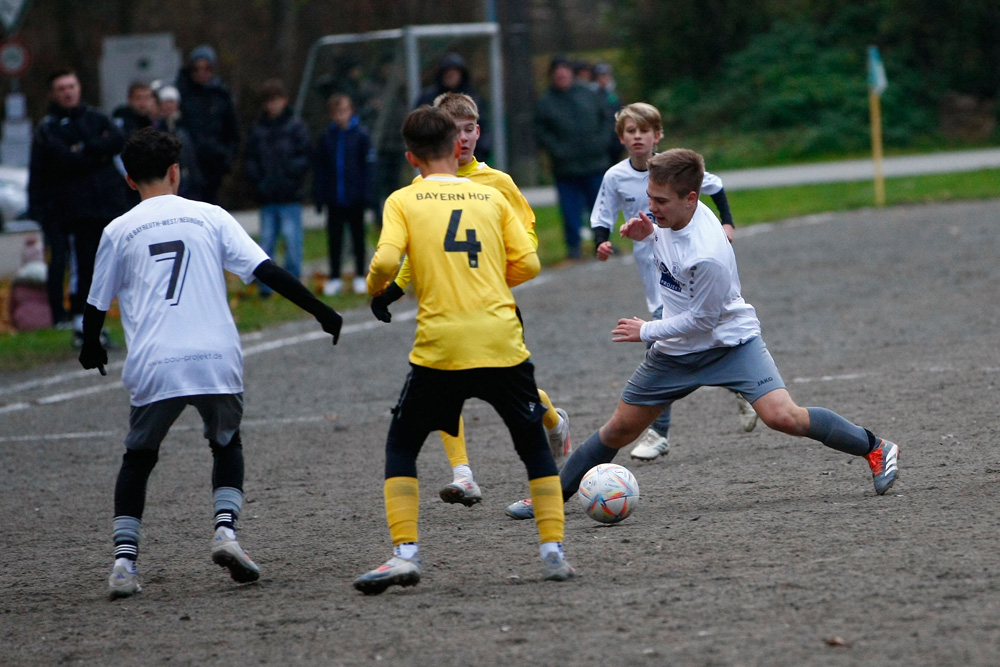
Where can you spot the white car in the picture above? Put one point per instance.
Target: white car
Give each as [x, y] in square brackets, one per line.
[14, 199]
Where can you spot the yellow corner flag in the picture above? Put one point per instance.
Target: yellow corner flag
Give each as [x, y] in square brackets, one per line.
[877, 84]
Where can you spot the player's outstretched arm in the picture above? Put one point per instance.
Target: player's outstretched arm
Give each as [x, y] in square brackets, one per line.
[286, 285]
[628, 330]
[93, 354]
[380, 303]
[637, 229]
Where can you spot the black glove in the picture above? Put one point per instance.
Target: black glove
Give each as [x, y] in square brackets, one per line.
[331, 321]
[93, 355]
[380, 303]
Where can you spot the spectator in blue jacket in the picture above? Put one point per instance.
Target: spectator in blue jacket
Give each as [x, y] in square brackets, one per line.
[343, 185]
[276, 162]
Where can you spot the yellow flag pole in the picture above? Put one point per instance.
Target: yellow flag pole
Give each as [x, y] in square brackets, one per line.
[875, 108]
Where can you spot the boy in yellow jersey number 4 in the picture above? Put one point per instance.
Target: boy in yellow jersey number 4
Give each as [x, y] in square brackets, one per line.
[466, 249]
[462, 108]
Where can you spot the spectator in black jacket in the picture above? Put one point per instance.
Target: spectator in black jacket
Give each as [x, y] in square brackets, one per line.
[210, 118]
[74, 189]
[277, 159]
[168, 119]
[343, 184]
[136, 114]
[453, 77]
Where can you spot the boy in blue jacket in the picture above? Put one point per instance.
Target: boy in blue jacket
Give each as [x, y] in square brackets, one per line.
[343, 186]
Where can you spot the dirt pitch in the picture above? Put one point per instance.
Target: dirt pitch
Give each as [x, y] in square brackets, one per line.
[746, 549]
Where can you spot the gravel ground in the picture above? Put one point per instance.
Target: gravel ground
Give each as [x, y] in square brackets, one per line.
[746, 548]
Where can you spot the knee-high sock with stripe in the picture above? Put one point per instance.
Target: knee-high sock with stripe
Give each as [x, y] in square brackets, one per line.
[551, 418]
[402, 504]
[454, 446]
[546, 498]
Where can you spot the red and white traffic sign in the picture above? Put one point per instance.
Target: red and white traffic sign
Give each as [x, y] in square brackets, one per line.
[14, 58]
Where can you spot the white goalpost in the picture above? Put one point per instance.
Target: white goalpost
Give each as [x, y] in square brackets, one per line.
[384, 71]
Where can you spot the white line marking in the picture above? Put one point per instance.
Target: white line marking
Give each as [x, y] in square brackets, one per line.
[83, 435]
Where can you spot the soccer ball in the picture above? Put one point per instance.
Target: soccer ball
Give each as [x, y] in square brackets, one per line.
[609, 493]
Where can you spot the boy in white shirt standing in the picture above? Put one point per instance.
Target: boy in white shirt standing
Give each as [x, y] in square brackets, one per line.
[623, 190]
[164, 261]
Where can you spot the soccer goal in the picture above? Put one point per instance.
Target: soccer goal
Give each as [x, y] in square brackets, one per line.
[384, 73]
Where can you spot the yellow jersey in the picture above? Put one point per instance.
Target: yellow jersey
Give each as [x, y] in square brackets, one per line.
[467, 248]
[480, 172]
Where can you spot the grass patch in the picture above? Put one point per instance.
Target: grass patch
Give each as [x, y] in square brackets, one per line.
[24, 350]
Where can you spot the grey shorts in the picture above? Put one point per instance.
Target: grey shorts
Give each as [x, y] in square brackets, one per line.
[148, 424]
[661, 378]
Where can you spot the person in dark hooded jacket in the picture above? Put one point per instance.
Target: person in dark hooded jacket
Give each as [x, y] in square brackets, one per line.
[210, 119]
[453, 77]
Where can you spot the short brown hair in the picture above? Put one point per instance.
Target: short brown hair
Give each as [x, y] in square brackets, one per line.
[271, 89]
[429, 133]
[679, 168]
[459, 105]
[645, 116]
[136, 86]
[336, 100]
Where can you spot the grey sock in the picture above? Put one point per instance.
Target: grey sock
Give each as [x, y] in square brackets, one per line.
[583, 458]
[837, 433]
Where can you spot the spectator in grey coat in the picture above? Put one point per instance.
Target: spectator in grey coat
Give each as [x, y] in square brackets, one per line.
[572, 125]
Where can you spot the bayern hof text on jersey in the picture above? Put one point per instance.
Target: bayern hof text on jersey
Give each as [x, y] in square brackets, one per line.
[453, 196]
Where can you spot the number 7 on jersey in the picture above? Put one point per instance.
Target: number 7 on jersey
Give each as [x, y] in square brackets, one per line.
[175, 248]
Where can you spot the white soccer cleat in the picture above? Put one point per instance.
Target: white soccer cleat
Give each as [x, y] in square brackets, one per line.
[122, 583]
[748, 416]
[650, 445]
[559, 441]
[394, 572]
[228, 553]
[464, 491]
[359, 286]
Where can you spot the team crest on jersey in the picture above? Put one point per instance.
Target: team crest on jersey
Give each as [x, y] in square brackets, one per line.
[667, 279]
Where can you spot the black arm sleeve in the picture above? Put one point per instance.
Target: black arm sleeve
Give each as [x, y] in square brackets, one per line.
[286, 285]
[601, 234]
[92, 353]
[722, 203]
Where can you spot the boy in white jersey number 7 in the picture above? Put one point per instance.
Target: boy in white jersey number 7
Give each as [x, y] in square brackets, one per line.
[164, 261]
[623, 190]
[708, 336]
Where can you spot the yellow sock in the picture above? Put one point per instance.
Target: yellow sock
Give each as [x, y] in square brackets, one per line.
[546, 498]
[454, 446]
[551, 418]
[402, 503]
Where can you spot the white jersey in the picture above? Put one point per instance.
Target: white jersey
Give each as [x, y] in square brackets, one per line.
[624, 190]
[164, 261]
[699, 288]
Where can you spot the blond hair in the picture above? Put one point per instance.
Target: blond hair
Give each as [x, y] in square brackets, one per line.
[681, 169]
[645, 116]
[459, 105]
